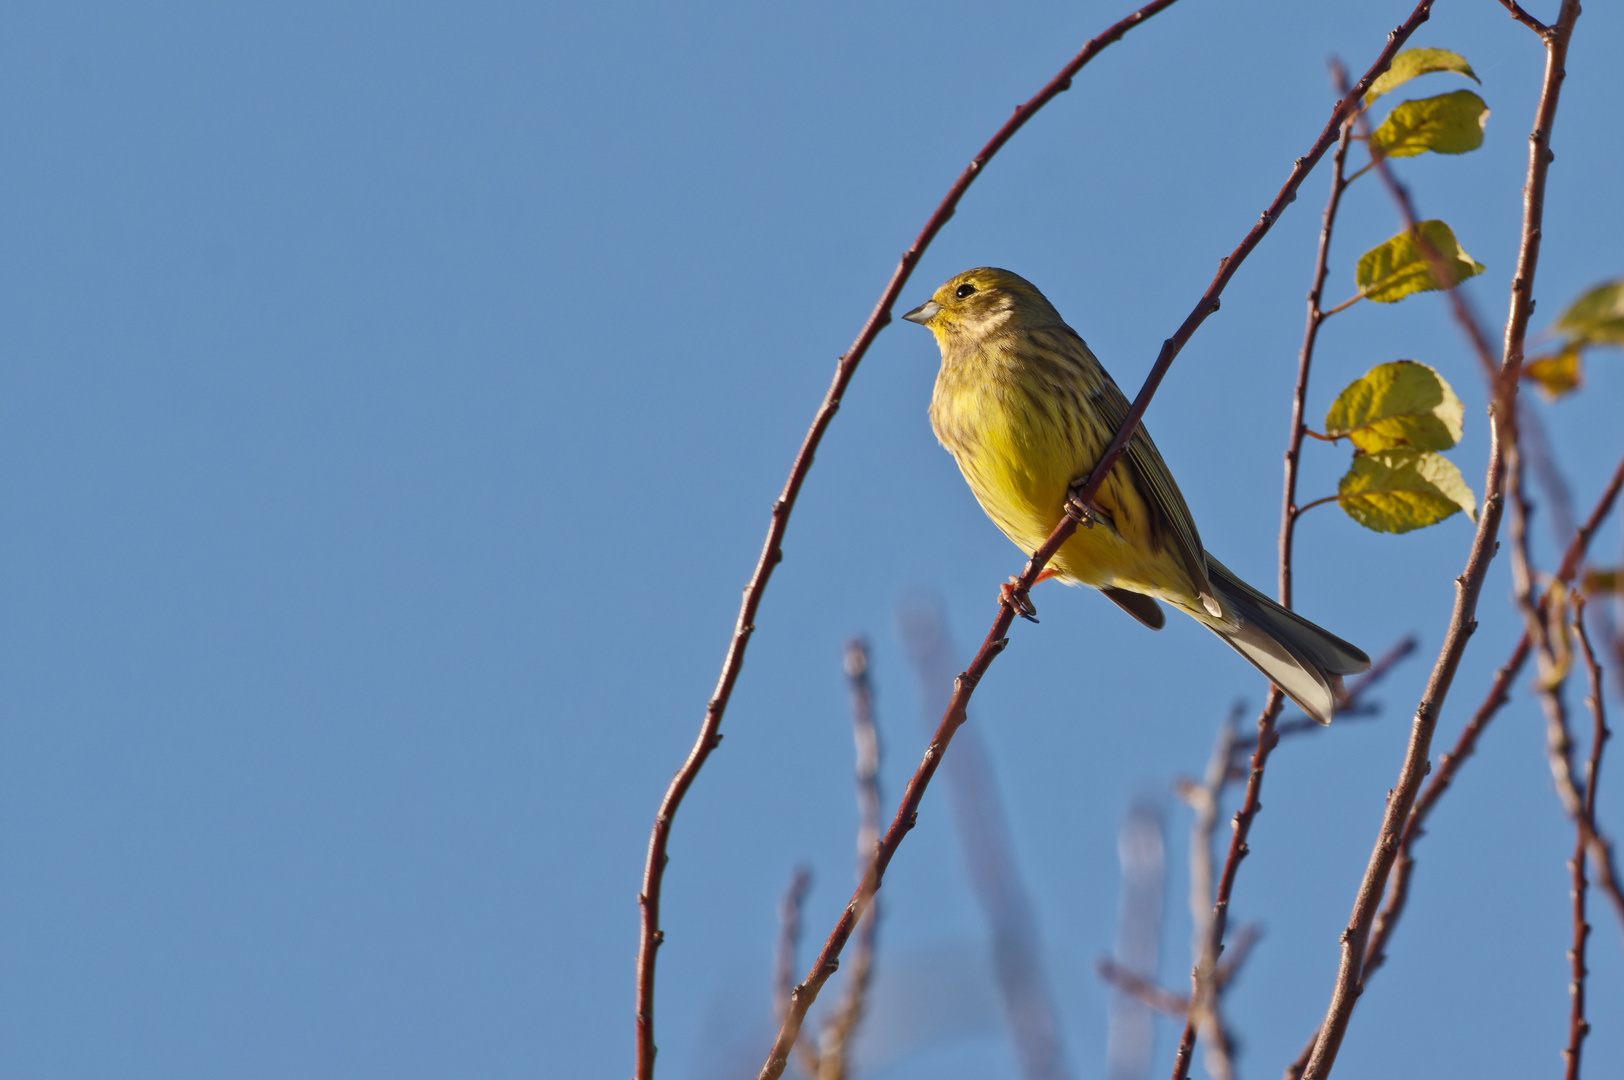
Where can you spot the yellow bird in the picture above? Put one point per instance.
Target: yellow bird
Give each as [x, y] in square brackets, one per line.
[1027, 410]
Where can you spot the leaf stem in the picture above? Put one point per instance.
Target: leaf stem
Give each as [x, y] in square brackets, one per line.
[1345, 305]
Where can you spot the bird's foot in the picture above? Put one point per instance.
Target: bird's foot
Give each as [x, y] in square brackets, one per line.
[1083, 513]
[1012, 594]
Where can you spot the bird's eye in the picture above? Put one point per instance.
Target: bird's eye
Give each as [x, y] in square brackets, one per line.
[964, 290]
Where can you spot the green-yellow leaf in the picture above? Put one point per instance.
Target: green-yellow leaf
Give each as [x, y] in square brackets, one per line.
[1397, 268]
[1557, 373]
[1412, 62]
[1601, 579]
[1403, 489]
[1446, 124]
[1404, 403]
[1597, 317]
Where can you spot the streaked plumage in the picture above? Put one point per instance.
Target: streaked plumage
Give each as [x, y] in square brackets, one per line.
[1026, 409]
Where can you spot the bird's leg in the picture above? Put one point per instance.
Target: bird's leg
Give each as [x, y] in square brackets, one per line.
[1016, 597]
[1085, 514]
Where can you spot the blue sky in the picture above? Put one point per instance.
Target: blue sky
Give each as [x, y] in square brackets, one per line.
[391, 401]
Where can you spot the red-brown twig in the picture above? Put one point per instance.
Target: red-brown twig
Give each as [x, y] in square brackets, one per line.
[1469, 585]
[834, 1056]
[1289, 511]
[1516, 12]
[651, 936]
[1578, 1028]
[1076, 510]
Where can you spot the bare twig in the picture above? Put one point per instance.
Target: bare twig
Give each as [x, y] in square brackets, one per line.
[1076, 511]
[1516, 12]
[1030, 1013]
[1206, 938]
[789, 937]
[1144, 990]
[1163, 1000]
[651, 936]
[1578, 1028]
[1141, 852]
[834, 1058]
[1469, 585]
[1305, 355]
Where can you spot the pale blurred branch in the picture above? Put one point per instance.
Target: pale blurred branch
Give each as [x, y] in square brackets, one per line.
[1142, 856]
[983, 831]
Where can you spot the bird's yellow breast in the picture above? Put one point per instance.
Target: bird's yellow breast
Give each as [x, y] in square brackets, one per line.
[1021, 433]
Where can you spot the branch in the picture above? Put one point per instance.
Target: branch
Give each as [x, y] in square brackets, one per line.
[709, 737]
[1526, 19]
[1012, 599]
[1142, 852]
[1155, 997]
[1449, 764]
[979, 820]
[1469, 585]
[1305, 355]
[1578, 1028]
[833, 1058]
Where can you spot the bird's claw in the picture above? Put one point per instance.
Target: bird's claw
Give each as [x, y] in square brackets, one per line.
[1084, 513]
[1016, 597]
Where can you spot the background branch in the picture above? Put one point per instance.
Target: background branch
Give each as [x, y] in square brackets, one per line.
[1030, 1013]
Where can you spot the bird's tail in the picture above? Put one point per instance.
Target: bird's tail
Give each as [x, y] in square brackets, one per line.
[1304, 661]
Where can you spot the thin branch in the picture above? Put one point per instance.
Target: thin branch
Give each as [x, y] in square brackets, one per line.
[834, 1058]
[1130, 1039]
[1305, 358]
[1516, 12]
[789, 937]
[1030, 1013]
[709, 737]
[1206, 938]
[1013, 598]
[1578, 1028]
[1469, 585]
[1449, 764]
[1136, 986]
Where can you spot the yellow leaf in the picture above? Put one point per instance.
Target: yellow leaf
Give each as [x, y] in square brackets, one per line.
[1412, 62]
[1557, 659]
[1597, 317]
[1603, 579]
[1403, 489]
[1446, 124]
[1403, 403]
[1397, 268]
[1557, 373]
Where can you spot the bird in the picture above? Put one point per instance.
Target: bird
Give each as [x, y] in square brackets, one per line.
[1027, 411]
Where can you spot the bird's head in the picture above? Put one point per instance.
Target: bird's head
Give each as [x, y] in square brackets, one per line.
[978, 302]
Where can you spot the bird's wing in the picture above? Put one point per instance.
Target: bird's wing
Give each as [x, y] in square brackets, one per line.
[1159, 490]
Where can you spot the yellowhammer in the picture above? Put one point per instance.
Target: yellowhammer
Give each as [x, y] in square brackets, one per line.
[1027, 410]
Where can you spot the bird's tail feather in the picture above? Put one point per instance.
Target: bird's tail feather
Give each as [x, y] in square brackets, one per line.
[1303, 660]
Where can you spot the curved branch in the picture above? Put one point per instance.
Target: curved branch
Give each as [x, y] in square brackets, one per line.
[651, 936]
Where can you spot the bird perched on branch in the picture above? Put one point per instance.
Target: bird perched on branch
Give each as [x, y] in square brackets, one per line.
[1027, 410]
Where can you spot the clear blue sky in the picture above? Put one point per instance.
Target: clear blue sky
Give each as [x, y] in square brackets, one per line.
[391, 401]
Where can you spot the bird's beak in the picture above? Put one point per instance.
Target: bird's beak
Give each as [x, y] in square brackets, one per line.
[924, 313]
